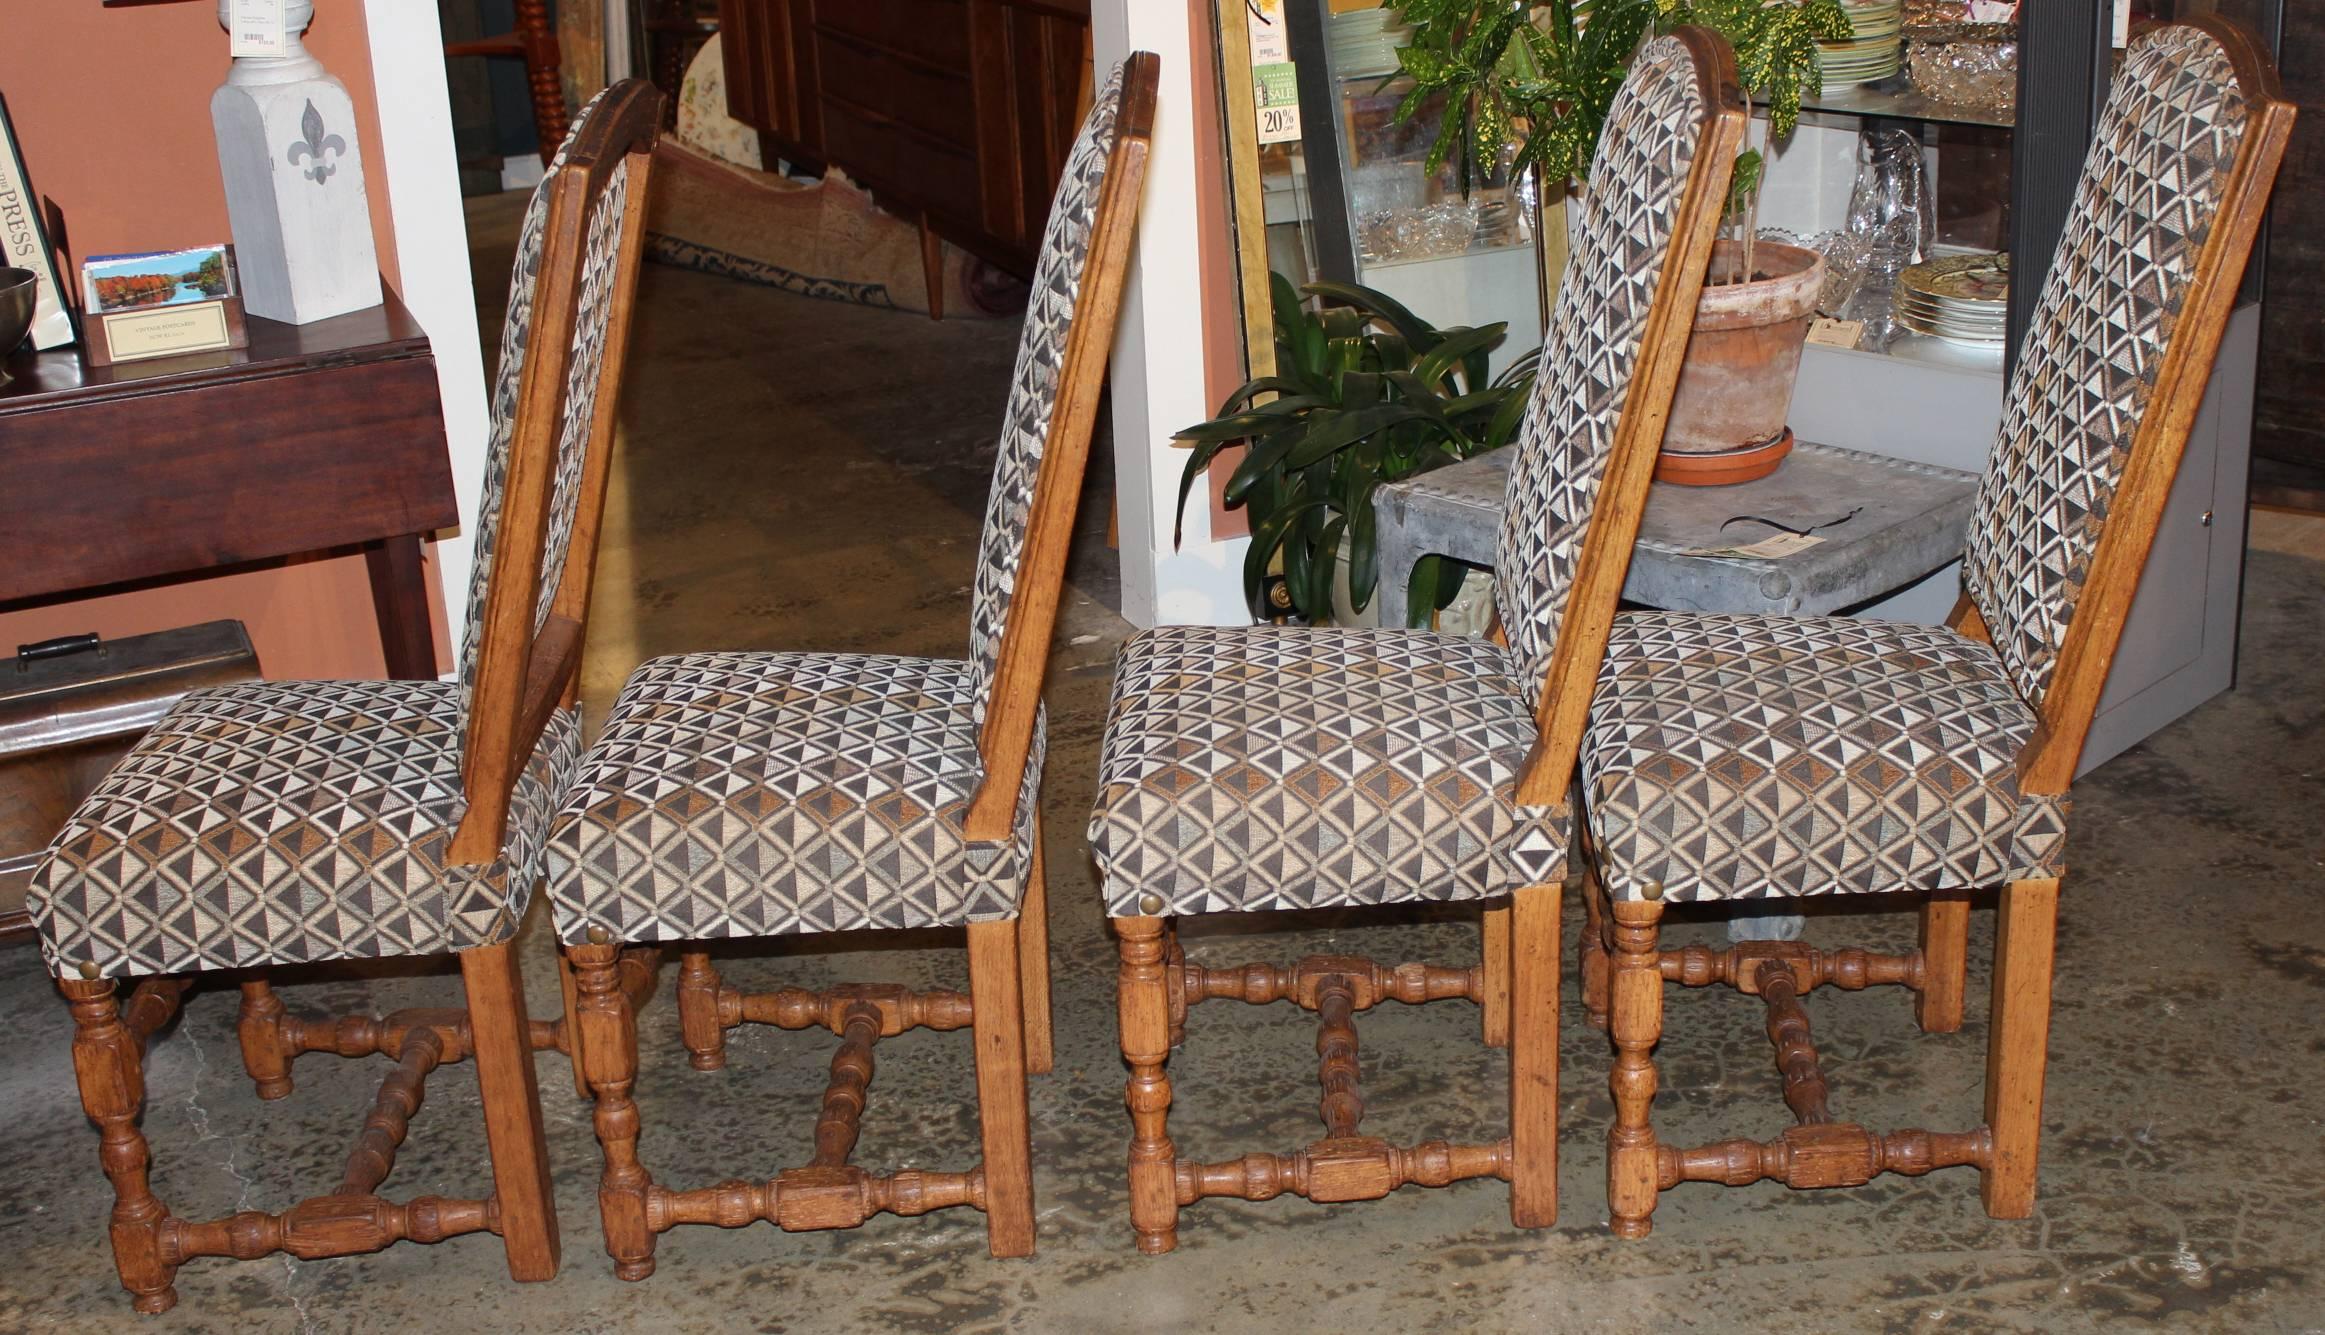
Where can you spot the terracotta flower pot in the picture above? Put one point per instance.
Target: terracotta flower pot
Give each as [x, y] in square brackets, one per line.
[1727, 419]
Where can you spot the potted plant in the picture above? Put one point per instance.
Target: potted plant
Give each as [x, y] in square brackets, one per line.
[1542, 76]
[1366, 392]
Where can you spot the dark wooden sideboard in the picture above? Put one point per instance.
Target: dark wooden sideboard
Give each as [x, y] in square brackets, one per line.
[955, 113]
[319, 437]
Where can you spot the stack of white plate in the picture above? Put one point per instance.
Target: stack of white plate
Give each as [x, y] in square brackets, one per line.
[1962, 299]
[1365, 41]
[1874, 51]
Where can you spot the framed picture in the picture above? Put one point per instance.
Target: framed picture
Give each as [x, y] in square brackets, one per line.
[114, 283]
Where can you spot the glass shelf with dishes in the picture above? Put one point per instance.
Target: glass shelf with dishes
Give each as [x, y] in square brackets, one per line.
[1952, 62]
[1354, 198]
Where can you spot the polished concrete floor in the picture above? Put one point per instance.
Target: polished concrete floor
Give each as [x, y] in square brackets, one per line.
[800, 474]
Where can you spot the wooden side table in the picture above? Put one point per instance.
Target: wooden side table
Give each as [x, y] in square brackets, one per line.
[316, 438]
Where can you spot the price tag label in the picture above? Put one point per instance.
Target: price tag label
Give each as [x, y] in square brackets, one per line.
[1271, 42]
[1835, 333]
[1276, 97]
[1275, 84]
[258, 30]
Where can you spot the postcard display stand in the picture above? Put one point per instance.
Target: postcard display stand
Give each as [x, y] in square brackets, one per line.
[294, 182]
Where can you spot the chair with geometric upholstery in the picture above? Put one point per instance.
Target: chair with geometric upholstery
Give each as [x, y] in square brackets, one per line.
[1744, 757]
[742, 795]
[1252, 769]
[295, 822]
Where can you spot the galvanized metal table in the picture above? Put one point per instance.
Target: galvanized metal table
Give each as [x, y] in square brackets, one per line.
[1880, 524]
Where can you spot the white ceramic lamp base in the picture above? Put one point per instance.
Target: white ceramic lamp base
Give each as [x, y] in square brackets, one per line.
[294, 184]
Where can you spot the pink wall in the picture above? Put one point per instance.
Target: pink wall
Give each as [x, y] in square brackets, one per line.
[112, 112]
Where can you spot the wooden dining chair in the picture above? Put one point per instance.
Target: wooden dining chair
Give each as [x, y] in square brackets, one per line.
[1260, 768]
[1742, 757]
[293, 822]
[770, 794]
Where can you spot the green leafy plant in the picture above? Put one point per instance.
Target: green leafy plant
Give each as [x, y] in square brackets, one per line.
[1506, 79]
[1365, 392]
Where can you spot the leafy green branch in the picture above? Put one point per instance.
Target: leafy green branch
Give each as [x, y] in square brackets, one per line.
[1366, 392]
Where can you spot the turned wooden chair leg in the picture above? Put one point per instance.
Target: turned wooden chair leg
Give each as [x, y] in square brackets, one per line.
[2019, 1043]
[1532, 978]
[1144, 1005]
[698, 1018]
[1945, 961]
[260, 1029]
[609, 1050]
[1494, 1009]
[1002, 1118]
[1033, 964]
[569, 995]
[1636, 1016]
[512, 1110]
[1174, 961]
[1591, 951]
[111, 1070]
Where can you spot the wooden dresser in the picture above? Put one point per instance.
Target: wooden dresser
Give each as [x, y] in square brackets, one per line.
[955, 113]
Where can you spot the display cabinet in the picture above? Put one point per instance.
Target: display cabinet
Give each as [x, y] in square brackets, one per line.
[1353, 199]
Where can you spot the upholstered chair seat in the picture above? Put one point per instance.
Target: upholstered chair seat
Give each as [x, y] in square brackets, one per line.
[1255, 768]
[767, 794]
[287, 823]
[1745, 756]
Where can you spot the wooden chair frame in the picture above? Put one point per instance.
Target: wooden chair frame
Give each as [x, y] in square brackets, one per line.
[522, 678]
[1516, 983]
[1008, 1002]
[1623, 970]
[534, 42]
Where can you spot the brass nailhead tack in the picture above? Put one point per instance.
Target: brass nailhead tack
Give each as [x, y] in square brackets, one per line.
[599, 936]
[1653, 890]
[89, 970]
[1150, 904]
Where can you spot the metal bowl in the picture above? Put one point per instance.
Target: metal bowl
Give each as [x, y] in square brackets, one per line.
[17, 293]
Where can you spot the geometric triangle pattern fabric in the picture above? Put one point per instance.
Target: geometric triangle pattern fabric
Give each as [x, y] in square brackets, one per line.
[1248, 768]
[1630, 205]
[594, 308]
[2150, 191]
[1034, 384]
[766, 794]
[289, 822]
[1741, 756]
[1270, 767]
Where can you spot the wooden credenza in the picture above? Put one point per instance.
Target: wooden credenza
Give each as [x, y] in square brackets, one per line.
[957, 114]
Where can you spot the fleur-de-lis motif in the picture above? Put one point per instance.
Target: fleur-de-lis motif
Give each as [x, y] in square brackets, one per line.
[317, 145]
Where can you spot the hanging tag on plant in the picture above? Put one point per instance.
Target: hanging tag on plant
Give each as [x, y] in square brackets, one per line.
[259, 30]
[1835, 333]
